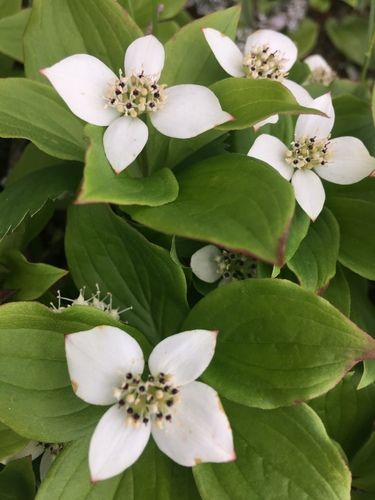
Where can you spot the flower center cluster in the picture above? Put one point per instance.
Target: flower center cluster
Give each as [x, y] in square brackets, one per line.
[53, 448]
[308, 153]
[323, 76]
[235, 266]
[145, 401]
[135, 94]
[261, 63]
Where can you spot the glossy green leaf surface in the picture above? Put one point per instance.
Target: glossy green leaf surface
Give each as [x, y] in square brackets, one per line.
[314, 263]
[137, 273]
[251, 101]
[102, 184]
[29, 195]
[231, 200]
[29, 279]
[281, 454]
[354, 208]
[278, 344]
[17, 481]
[34, 111]
[347, 413]
[10, 441]
[11, 32]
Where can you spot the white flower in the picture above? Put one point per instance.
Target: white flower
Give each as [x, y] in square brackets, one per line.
[321, 71]
[344, 160]
[34, 449]
[211, 263]
[185, 417]
[96, 95]
[267, 55]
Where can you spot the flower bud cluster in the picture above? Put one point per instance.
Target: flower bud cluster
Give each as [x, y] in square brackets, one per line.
[261, 63]
[308, 152]
[145, 401]
[135, 94]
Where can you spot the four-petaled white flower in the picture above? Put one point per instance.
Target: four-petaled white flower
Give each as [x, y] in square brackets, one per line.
[185, 417]
[321, 71]
[267, 55]
[96, 95]
[211, 263]
[312, 154]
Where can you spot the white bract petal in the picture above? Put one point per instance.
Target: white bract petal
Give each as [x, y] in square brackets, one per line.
[199, 430]
[32, 449]
[226, 52]
[204, 265]
[115, 444]
[309, 192]
[123, 140]
[300, 94]
[349, 161]
[272, 151]
[277, 43]
[317, 126]
[189, 110]
[183, 357]
[316, 61]
[98, 360]
[45, 463]
[145, 56]
[82, 82]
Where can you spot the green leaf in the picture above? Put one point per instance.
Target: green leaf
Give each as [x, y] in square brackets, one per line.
[338, 292]
[347, 413]
[9, 7]
[34, 111]
[29, 279]
[11, 33]
[10, 441]
[33, 370]
[188, 57]
[32, 159]
[141, 10]
[250, 101]
[153, 476]
[231, 200]
[59, 29]
[353, 117]
[277, 343]
[354, 208]
[102, 184]
[281, 454]
[136, 272]
[349, 35]
[17, 481]
[362, 466]
[314, 263]
[362, 312]
[298, 230]
[305, 36]
[29, 195]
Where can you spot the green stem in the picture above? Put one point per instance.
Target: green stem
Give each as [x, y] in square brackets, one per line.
[371, 41]
[155, 17]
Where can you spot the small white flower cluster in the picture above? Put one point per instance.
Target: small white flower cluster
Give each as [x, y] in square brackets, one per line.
[95, 300]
